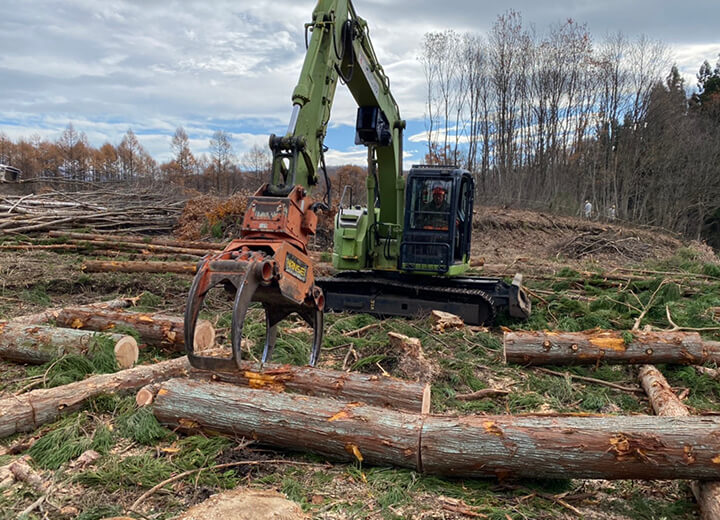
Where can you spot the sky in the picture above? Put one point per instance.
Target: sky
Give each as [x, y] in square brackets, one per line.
[110, 65]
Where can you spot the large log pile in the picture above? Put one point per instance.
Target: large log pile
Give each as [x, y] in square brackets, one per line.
[607, 447]
[104, 208]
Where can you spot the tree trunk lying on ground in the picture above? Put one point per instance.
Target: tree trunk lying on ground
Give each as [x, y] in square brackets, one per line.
[25, 412]
[667, 404]
[39, 344]
[591, 346]
[380, 391]
[188, 244]
[142, 244]
[154, 329]
[606, 447]
[100, 266]
[49, 314]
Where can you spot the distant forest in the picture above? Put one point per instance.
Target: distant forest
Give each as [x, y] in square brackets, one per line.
[71, 157]
[549, 121]
[544, 121]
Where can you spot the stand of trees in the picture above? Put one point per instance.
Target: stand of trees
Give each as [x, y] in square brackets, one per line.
[548, 121]
[72, 158]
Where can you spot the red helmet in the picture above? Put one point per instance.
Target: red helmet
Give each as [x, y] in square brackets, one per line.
[439, 190]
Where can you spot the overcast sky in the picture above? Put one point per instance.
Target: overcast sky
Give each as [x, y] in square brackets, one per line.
[110, 65]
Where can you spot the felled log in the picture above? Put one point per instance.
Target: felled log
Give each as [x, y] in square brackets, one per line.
[187, 244]
[154, 329]
[667, 404]
[138, 243]
[39, 344]
[48, 314]
[38, 247]
[369, 389]
[605, 447]
[591, 346]
[25, 412]
[100, 266]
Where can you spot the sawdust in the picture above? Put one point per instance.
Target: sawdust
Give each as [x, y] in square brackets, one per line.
[245, 504]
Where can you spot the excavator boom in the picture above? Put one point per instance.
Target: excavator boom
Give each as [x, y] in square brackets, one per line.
[403, 256]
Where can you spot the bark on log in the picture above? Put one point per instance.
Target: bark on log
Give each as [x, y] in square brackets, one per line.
[187, 244]
[22, 471]
[48, 314]
[667, 404]
[101, 266]
[39, 344]
[370, 389]
[154, 329]
[332, 428]
[591, 346]
[143, 244]
[26, 412]
[36, 247]
[606, 447]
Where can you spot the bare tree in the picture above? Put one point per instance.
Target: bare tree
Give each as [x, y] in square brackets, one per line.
[256, 163]
[221, 152]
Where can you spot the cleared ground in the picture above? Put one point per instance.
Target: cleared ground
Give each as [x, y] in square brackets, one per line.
[580, 274]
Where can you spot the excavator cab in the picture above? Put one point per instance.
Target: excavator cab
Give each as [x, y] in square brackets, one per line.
[438, 220]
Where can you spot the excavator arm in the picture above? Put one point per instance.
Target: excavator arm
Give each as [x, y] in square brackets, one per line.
[340, 50]
[393, 266]
[269, 262]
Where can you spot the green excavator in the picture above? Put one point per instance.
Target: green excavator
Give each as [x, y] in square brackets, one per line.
[404, 252]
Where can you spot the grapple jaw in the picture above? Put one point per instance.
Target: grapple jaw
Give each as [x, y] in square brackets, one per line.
[282, 281]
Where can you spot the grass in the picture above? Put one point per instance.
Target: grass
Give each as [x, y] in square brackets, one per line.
[69, 439]
[69, 368]
[137, 452]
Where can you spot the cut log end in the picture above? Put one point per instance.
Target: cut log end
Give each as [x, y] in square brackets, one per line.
[146, 395]
[204, 336]
[126, 352]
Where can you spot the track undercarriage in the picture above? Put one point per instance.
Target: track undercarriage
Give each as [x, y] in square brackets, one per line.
[476, 300]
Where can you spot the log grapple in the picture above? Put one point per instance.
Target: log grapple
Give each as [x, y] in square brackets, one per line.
[268, 264]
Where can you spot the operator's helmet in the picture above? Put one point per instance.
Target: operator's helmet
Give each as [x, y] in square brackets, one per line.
[439, 189]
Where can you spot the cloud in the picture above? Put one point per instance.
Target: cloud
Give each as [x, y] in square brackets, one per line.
[154, 66]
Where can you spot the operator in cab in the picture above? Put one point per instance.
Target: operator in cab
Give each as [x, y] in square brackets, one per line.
[435, 211]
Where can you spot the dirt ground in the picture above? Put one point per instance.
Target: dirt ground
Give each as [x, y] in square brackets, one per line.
[504, 241]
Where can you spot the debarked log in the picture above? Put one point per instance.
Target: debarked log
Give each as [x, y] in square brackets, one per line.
[591, 346]
[39, 344]
[25, 412]
[154, 329]
[605, 447]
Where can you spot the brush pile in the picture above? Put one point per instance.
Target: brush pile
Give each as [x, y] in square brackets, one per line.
[605, 242]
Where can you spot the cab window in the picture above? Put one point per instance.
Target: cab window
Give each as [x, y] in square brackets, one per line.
[430, 204]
